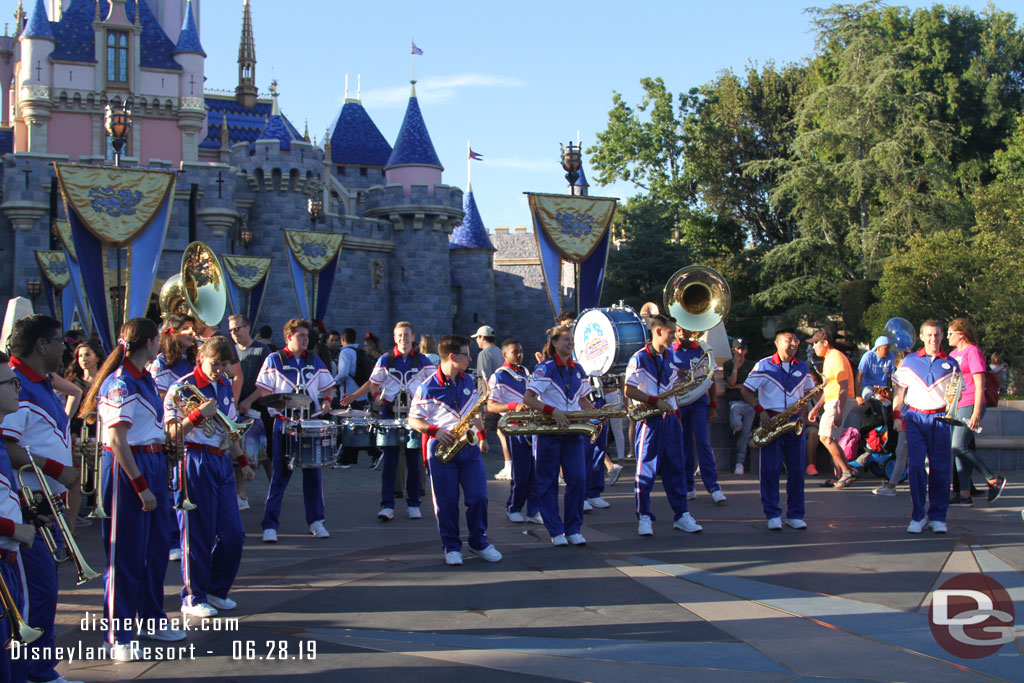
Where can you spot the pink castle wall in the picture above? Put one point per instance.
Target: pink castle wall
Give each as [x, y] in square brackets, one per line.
[69, 133]
[161, 139]
[414, 175]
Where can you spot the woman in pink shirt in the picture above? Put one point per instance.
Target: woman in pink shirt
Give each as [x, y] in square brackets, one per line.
[970, 409]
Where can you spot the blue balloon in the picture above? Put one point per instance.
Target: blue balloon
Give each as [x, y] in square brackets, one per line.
[901, 332]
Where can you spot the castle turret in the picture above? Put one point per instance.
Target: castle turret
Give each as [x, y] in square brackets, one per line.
[34, 80]
[246, 91]
[472, 266]
[413, 159]
[358, 151]
[188, 52]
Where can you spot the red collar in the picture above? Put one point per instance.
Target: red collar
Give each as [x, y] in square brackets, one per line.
[442, 379]
[288, 353]
[132, 370]
[202, 380]
[676, 345]
[940, 354]
[517, 368]
[559, 363]
[22, 367]
[397, 354]
[651, 352]
[778, 361]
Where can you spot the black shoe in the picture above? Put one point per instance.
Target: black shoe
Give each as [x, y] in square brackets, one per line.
[961, 502]
[995, 490]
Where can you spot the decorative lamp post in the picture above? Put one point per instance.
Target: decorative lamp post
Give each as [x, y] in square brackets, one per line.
[118, 123]
[572, 160]
[245, 236]
[315, 204]
[34, 288]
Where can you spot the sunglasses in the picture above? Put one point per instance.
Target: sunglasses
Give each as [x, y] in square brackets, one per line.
[13, 380]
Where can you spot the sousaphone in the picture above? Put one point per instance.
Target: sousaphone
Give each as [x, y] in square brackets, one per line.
[698, 298]
[199, 290]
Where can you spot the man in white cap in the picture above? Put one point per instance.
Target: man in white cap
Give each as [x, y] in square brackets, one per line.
[488, 361]
[875, 369]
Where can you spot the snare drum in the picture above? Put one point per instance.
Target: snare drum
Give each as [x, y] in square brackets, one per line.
[310, 443]
[357, 432]
[606, 338]
[394, 433]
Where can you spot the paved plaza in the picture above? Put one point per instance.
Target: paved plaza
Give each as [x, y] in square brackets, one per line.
[847, 599]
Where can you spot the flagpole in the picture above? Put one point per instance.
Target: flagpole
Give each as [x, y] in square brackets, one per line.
[414, 60]
[469, 167]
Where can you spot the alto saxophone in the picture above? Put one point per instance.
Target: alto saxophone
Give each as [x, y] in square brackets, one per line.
[462, 431]
[780, 424]
[531, 422]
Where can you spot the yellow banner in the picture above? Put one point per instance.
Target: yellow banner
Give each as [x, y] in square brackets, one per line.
[246, 271]
[313, 250]
[64, 231]
[576, 225]
[54, 268]
[115, 204]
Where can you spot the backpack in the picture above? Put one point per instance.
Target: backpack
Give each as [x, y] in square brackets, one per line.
[363, 368]
[992, 386]
[849, 442]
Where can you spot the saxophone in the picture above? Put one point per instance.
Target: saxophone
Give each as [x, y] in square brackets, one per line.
[530, 422]
[695, 379]
[780, 424]
[463, 431]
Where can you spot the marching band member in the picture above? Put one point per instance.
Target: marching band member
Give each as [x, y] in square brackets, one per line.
[397, 374]
[694, 418]
[920, 400]
[595, 454]
[440, 403]
[649, 373]
[508, 385]
[135, 492]
[13, 534]
[558, 386]
[211, 534]
[293, 369]
[40, 423]
[177, 344]
[775, 383]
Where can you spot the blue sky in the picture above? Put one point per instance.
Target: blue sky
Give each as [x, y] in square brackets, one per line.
[514, 78]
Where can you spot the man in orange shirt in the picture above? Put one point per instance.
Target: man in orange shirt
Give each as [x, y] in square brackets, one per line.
[836, 401]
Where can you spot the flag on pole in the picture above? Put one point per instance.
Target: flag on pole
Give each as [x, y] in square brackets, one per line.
[416, 50]
[475, 156]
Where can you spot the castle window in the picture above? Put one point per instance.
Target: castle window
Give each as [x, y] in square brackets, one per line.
[117, 57]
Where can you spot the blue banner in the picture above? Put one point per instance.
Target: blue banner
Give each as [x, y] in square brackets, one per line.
[299, 283]
[551, 267]
[76, 290]
[143, 261]
[67, 307]
[232, 294]
[256, 301]
[48, 288]
[324, 285]
[92, 259]
[592, 275]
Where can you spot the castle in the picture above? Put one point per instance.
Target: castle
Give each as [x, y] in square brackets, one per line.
[414, 249]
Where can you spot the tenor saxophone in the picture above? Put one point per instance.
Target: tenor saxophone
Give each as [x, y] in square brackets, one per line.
[780, 424]
[462, 431]
[695, 379]
[531, 422]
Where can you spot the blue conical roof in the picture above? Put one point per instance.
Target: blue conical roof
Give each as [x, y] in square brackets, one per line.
[582, 180]
[279, 128]
[188, 39]
[471, 234]
[356, 140]
[413, 146]
[38, 25]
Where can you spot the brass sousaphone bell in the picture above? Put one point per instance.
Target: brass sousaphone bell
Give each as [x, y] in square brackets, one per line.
[199, 290]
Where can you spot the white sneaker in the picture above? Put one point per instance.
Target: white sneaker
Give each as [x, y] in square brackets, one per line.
[516, 517]
[270, 535]
[613, 474]
[61, 679]
[123, 652]
[223, 604]
[577, 539]
[169, 635]
[202, 610]
[916, 526]
[490, 553]
[796, 523]
[534, 519]
[453, 558]
[174, 555]
[587, 507]
[775, 523]
[318, 530]
[718, 496]
[599, 502]
[386, 514]
[644, 526]
[414, 512]
[691, 495]
[938, 527]
[885, 490]
[688, 524]
[739, 468]
[505, 473]
[243, 503]
[559, 540]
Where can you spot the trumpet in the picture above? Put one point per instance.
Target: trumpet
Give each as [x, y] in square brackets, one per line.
[174, 449]
[530, 422]
[20, 630]
[85, 572]
[91, 452]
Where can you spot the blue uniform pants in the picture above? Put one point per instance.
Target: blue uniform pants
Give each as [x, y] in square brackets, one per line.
[927, 437]
[389, 468]
[697, 446]
[280, 475]
[41, 609]
[595, 464]
[789, 448]
[136, 543]
[211, 535]
[465, 470]
[658, 453]
[11, 670]
[524, 482]
[550, 453]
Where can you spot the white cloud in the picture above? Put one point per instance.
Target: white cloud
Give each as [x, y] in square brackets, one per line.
[435, 89]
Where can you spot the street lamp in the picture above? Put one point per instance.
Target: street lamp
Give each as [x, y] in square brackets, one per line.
[572, 160]
[315, 204]
[244, 233]
[34, 288]
[118, 123]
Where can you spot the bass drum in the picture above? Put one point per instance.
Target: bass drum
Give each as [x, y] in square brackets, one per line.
[605, 338]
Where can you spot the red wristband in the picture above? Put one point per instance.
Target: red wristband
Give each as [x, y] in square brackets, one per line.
[481, 435]
[139, 483]
[652, 400]
[52, 468]
[242, 461]
[196, 417]
[549, 410]
[512, 406]
[713, 404]
[432, 431]
[896, 414]
[758, 408]
[6, 527]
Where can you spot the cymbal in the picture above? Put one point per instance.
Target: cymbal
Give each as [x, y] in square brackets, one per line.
[285, 401]
[348, 412]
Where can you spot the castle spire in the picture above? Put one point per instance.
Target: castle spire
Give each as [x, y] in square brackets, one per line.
[246, 91]
[275, 109]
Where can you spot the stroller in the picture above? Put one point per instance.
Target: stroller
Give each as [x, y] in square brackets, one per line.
[879, 440]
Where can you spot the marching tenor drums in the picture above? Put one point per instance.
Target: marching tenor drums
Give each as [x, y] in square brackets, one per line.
[393, 433]
[606, 338]
[310, 443]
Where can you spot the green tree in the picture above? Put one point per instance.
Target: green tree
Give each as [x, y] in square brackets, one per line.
[639, 268]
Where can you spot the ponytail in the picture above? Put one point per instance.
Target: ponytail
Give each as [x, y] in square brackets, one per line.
[135, 334]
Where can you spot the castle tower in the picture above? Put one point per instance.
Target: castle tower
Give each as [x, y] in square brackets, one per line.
[472, 267]
[188, 52]
[246, 90]
[581, 188]
[358, 151]
[35, 78]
